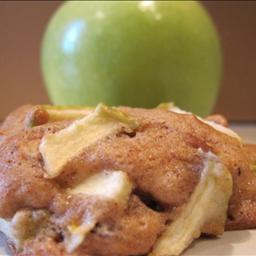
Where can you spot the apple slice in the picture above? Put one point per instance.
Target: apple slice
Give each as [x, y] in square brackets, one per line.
[166, 105]
[108, 185]
[220, 128]
[208, 203]
[60, 148]
[60, 113]
[41, 114]
[77, 234]
[25, 224]
[171, 107]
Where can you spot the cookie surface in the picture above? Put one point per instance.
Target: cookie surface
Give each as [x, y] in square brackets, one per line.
[161, 159]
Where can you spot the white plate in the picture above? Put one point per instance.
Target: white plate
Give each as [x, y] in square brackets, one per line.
[232, 243]
[3, 247]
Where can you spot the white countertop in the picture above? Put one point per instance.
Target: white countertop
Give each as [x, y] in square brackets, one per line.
[246, 131]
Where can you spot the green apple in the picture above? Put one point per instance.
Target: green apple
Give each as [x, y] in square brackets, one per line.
[136, 53]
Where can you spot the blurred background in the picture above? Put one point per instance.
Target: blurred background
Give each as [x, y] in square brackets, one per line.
[22, 25]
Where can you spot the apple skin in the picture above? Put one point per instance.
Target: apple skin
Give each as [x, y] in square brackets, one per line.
[135, 53]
